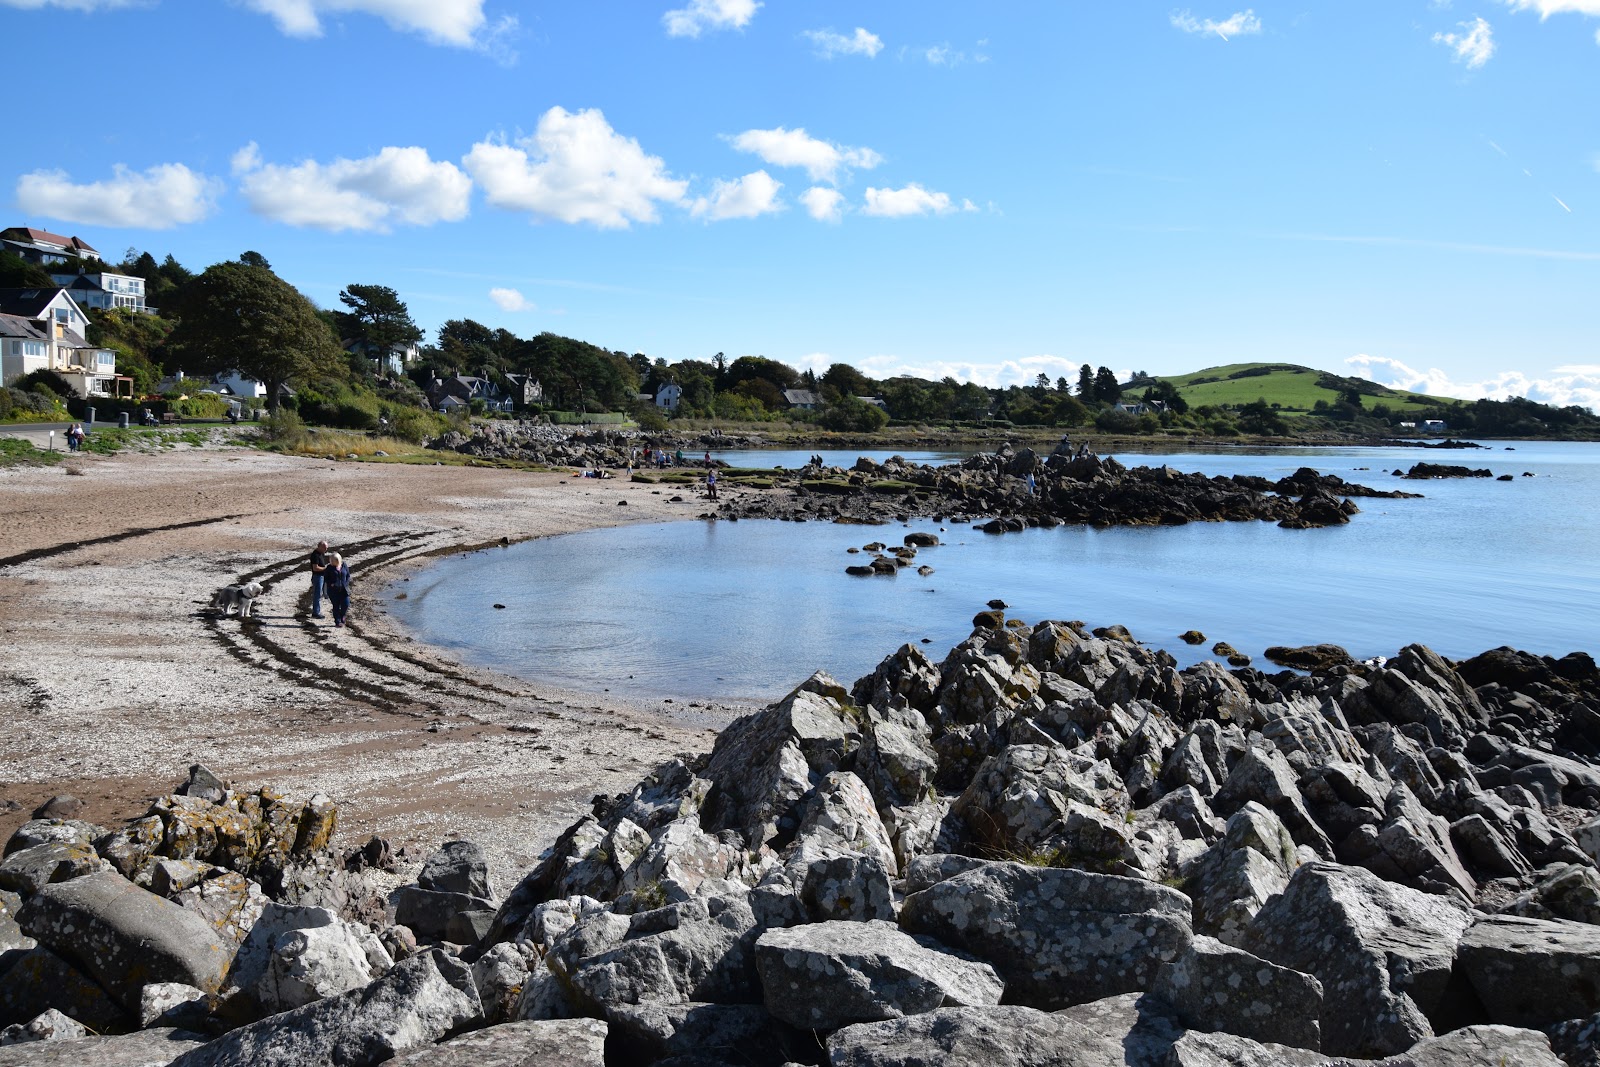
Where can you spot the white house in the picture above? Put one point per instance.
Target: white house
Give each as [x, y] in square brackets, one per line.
[105, 290]
[51, 320]
[235, 382]
[42, 246]
[392, 363]
[804, 399]
[669, 396]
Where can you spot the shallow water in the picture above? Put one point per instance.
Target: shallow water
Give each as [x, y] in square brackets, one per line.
[748, 609]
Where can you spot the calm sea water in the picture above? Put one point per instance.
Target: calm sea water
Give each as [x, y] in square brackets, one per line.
[749, 609]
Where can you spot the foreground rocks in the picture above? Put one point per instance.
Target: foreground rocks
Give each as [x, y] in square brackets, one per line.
[1052, 847]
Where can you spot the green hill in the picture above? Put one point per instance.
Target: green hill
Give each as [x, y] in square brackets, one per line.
[1288, 387]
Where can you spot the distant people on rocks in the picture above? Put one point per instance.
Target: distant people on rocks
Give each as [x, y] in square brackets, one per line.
[319, 570]
[337, 576]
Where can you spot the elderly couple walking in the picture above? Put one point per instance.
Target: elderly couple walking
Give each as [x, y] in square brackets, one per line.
[329, 574]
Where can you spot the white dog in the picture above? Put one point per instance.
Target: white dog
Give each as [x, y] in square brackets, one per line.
[242, 597]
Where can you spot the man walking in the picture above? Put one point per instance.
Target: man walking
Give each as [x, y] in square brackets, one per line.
[319, 566]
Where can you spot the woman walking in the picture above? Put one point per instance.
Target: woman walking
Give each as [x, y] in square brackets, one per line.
[336, 581]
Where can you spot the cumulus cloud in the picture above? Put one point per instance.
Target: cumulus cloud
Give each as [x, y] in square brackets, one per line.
[823, 204]
[910, 200]
[1474, 46]
[1237, 24]
[828, 43]
[72, 5]
[993, 375]
[511, 300]
[461, 23]
[702, 15]
[1575, 384]
[166, 195]
[396, 186]
[1546, 8]
[748, 197]
[796, 148]
[575, 168]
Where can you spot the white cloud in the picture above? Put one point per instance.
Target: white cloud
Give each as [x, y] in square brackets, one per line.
[575, 168]
[829, 44]
[823, 204]
[1237, 24]
[1474, 46]
[748, 197]
[913, 199]
[702, 15]
[453, 22]
[511, 300]
[159, 198]
[796, 148]
[1576, 384]
[1546, 8]
[396, 186]
[996, 375]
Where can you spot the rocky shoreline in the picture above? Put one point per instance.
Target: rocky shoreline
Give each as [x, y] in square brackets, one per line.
[1051, 848]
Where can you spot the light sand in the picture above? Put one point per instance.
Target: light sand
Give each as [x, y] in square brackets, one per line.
[115, 675]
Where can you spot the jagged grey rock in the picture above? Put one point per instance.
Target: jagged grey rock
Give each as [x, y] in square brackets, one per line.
[1472, 1046]
[1382, 952]
[172, 1004]
[1057, 937]
[500, 975]
[702, 959]
[1213, 986]
[1571, 892]
[457, 867]
[569, 1043]
[825, 975]
[124, 937]
[1009, 1036]
[296, 955]
[417, 1003]
[29, 870]
[744, 1033]
[51, 1025]
[40, 980]
[1532, 972]
[148, 1048]
[52, 831]
[429, 912]
[1235, 878]
[847, 887]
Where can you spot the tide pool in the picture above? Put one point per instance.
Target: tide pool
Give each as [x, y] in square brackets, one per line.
[749, 609]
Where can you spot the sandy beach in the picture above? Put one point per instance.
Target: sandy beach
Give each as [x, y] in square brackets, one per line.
[115, 676]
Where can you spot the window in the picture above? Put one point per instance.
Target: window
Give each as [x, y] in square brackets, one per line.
[32, 348]
[63, 315]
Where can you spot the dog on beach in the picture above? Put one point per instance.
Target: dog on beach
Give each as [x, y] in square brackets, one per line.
[242, 597]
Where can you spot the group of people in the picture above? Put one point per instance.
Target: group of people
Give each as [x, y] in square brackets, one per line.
[330, 574]
[75, 436]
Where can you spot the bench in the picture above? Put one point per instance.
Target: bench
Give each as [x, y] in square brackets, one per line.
[168, 418]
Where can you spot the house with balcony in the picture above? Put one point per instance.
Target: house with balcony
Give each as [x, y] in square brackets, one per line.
[391, 363]
[464, 389]
[49, 319]
[44, 247]
[105, 291]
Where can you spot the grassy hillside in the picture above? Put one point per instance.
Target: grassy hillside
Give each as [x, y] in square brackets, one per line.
[1286, 386]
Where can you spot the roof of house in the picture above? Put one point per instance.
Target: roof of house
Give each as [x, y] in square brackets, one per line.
[801, 397]
[28, 233]
[20, 326]
[28, 302]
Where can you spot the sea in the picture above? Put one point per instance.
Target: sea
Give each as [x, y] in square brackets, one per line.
[747, 610]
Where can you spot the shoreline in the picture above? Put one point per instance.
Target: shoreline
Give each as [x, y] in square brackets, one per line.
[114, 683]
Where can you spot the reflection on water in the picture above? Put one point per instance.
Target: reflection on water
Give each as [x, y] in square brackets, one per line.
[748, 609]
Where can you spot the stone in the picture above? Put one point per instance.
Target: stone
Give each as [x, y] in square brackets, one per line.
[668, 956]
[1411, 847]
[125, 937]
[842, 803]
[500, 975]
[47, 831]
[51, 1025]
[852, 887]
[1532, 972]
[429, 912]
[1569, 892]
[458, 867]
[1215, 987]
[1233, 879]
[229, 903]
[40, 980]
[296, 955]
[744, 1033]
[61, 806]
[568, 1043]
[173, 1004]
[826, 975]
[1057, 937]
[204, 785]
[148, 1048]
[417, 1003]
[29, 870]
[1010, 1036]
[1382, 952]
[1472, 1046]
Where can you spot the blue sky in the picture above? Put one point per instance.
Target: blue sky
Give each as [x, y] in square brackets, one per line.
[1406, 189]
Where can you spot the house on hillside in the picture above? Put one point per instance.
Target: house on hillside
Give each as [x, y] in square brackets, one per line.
[669, 396]
[1435, 425]
[46, 330]
[803, 399]
[44, 247]
[105, 290]
[391, 363]
[526, 392]
[874, 401]
[465, 389]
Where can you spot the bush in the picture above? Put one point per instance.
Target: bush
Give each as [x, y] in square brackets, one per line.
[285, 428]
[1112, 420]
[851, 415]
[44, 381]
[5, 403]
[415, 425]
[341, 407]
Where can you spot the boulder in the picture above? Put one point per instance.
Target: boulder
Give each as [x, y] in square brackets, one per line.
[1315, 658]
[296, 955]
[1473, 1046]
[417, 1003]
[500, 975]
[229, 903]
[1057, 937]
[1532, 972]
[1570, 892]
[125, 937]
[1010, 1036]
[1382, 952]
[429, 912]
[674, 954]
[744, 1033]
[1236, 876]
[852, 887]
[565, 1043]
[40, 980]
[173, 1004]
[149, 1048]
[48, 831]
[1212, 986]
[458, 867]
[826, 975]
[29, 870]
[50, 1026]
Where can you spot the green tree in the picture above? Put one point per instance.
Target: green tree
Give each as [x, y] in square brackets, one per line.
[255, 259]
[377, 318]
[848, 381]
[18, 273]
[1106, 388]
[238, 316]
[1085, 383]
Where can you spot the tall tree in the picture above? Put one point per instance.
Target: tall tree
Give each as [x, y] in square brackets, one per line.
[1106, 388]
[1085, 383]
[378, 318]
[247, 318]
[254, 259]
